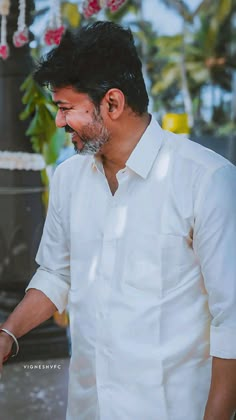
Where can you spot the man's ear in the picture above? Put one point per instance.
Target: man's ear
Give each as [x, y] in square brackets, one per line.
[114, 102]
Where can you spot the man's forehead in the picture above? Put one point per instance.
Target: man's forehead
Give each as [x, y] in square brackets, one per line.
[67, 95]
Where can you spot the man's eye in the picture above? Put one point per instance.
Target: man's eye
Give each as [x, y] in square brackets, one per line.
[64, 109]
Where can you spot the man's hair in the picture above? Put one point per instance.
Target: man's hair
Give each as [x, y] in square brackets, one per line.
[94, 59]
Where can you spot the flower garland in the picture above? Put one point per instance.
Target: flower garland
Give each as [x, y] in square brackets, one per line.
[91, 7]
[4, 12]
[21, 160]
[55, 30]
[114, 5]
[21, 36]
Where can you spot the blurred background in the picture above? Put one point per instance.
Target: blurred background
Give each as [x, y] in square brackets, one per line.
[188, 51]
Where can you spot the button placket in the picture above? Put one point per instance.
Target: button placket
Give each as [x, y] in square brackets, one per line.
[107, 265]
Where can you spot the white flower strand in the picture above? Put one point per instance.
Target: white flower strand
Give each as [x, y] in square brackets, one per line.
[21, 17]
[55, 14]
[58, 13]
[4, 12]
[3, 40]
[21, 160]
[51, 14]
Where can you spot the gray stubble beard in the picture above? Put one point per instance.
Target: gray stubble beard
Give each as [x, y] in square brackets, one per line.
[92, 147]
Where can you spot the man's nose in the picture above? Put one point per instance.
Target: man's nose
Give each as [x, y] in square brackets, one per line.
[60, 119]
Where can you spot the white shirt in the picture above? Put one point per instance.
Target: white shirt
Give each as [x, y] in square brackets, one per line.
[151, 278]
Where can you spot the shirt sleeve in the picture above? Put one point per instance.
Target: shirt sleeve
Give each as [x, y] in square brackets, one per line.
[53, 275]
[215, 246]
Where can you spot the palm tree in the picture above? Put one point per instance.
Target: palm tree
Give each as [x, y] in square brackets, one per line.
[198, 56]
[183, 10]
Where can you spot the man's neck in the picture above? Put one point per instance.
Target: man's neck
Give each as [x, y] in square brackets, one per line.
[115, 153]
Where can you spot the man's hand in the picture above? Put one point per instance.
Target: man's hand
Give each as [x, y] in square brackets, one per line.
[5, 347]
[34, 309]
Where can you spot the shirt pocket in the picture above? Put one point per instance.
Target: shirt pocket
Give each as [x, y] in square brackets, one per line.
[141, 268]
[176, 260]
[157, 263]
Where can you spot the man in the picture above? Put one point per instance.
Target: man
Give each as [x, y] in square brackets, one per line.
[141, 235]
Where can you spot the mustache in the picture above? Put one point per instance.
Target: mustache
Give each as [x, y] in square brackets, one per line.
[68, 129]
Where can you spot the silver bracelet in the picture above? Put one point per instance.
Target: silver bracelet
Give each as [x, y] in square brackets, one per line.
[15, 340]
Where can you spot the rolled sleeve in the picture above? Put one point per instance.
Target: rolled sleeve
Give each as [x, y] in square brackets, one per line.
[52, 286]
[53, 275]
[223, 342]
[215, 246]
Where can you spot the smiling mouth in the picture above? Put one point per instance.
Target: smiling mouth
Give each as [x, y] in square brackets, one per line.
[68, 129]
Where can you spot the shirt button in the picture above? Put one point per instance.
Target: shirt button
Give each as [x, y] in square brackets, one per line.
[101, 315]
[107, 352]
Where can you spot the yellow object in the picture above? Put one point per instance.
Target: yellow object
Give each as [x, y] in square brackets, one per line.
[177, 123]
[71, 14]
[61, 319]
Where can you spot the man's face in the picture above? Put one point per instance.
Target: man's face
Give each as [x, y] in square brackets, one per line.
[78, 115]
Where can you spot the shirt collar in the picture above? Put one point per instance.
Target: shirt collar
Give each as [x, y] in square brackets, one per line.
[146, 150]
[97, 164]
[144, 153]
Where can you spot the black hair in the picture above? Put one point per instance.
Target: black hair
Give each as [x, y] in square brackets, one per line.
[94, 59]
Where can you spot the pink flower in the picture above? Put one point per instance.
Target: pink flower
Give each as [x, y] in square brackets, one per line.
[20, 38]
[4, 51]
[114, 5]
[90, 7]
[53, 36]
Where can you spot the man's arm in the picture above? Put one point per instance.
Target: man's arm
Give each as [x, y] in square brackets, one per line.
[221, 403]
[215, 244]
[34, 309]
[49, 287]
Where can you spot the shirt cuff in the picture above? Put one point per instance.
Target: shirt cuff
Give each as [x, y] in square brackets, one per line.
[52, 286]
[223, 342]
